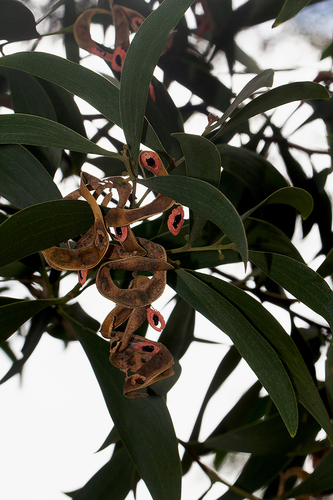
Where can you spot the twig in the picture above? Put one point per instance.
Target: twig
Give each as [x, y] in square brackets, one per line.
[215, 477]
[289, 144]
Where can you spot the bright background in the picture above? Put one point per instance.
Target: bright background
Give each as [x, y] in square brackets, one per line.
[55, 417]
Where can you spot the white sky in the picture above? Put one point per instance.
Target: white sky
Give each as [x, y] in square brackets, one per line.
[57, 419]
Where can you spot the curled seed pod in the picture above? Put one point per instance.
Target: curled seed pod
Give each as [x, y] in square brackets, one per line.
[147, 360]
[91, 247]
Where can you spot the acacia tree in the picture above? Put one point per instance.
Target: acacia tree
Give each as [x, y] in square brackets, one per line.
[241, 210]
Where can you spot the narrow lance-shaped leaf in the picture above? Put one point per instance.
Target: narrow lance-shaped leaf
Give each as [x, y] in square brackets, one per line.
[17, 22]
[12, 316]
[140, 61]
[299, 280]
[270, 328]
[202, 161]
[113, 480]
[181, 319]
[207, 201]
[274, 98]
[90, 86]
[144, 425]
[295, 197]
[290, 9]
[258, 353]
[326, 267]
[264, 79]
[329, 375]
[37, 131]
[225, 368]
[23, 179]
[262, 437]
[37, 327]
[42, 226]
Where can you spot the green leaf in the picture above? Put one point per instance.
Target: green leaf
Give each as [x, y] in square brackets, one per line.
[144, 425]
[265, 237]
[140, 61]
[293, 196]
[68, 114]
[12, 316]
[262, 437]
[37, 327]
[42, 226]
[113, 480]
[248, 178]
[207, 201]
[181, 319]
[90, 86]
[225, 368]
[327, 52]
[329, 375]
[17, 22]
[257, 352]
[249, 408]
[264, 79]
[172, 119]
[202, 158]
[299, 280]
[326, 267]
[319, 481]
[199, 152]
[283, 344]
[298, 91]
[194, 74]
[37, 131]
[251, 480]
[23, 180]
[58, 328]
[290, 9]
[28, 95]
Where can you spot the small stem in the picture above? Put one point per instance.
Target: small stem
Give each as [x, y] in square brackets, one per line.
[183, 249]
[292, 145]
[179, 162]
[215, 477]
[143, 197]
[127, 163]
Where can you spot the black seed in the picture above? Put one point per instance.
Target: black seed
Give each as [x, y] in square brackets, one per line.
[119, 231]
[177, 220]
[150, 162]
[80, 274]
[155, 319]
[118, 60]
[148, 348]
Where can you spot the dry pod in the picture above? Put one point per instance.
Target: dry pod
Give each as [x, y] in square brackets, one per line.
[91, 247]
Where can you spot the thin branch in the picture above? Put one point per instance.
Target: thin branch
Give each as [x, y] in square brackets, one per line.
[215, 477]
[289, 144]
[273, 298]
